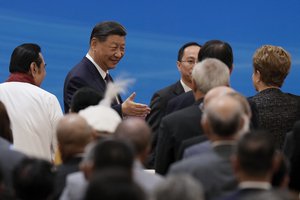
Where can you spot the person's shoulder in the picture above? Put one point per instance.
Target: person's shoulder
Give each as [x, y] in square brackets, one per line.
[175, 87]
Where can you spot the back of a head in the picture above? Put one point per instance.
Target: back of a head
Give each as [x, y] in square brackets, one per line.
[179, 187]
[219, 50]
[224, 116]
[104, 29]
[273, 63]
[113, 184]
[136, 131]
[83, 98]
[255, 152]
[210, 73]
[23, 56]
[33, 179]
[113, 153]
[5, 129]
[181, 50]
[73, 134]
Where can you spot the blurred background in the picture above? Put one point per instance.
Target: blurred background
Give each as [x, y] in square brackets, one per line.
[156, 30]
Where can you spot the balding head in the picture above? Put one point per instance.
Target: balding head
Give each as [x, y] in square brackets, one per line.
[137, 132]
[223, 117]
[217, 92]
[73, 134]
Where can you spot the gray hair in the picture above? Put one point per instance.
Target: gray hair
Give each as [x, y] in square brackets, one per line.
[178, 187]
[210, 73]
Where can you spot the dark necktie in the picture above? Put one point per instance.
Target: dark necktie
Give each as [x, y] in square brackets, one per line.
[107, 78]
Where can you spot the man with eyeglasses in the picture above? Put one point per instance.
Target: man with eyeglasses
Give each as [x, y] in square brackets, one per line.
[107, 48]
[186, 59]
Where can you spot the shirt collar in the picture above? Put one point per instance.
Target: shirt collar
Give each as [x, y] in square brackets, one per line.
[100, 70]
[185, 87]
[255, 185]
[223, 142]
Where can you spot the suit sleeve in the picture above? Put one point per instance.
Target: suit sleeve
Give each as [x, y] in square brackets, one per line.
[164, 148]
[71, 87]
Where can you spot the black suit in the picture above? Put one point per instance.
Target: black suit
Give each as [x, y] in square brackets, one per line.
[158, 106]
[174, 129]
[182, 101]
[85, 74]
[277, 112]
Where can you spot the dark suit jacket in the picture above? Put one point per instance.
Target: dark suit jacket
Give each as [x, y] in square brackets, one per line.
[293, 140]
[187, 144]
[158, 106]
[277, 112]
[63, 171]
[211, 168]
[182, 101]
[85, 74]
[174, 129]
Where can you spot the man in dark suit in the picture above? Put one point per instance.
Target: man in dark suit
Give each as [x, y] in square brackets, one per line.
[107, 48]
[277, 111]
[185, 123]
[221, 122]
[253, 163]
[73, 134]
[186, 59]
[211, 49]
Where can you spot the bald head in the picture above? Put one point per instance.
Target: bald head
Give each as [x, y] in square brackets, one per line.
[73, 134]
[137, 132]
[224, 116]
[217, 92]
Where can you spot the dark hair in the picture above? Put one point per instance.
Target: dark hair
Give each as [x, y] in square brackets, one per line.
[85, 97]
[255, 152]
[113, 184]
[217, 49]
[181, 50]
[5, 129]
[33, 179]
[104, 29]
[113, 153]
[23, 56]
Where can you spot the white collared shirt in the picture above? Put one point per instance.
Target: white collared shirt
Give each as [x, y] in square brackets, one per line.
[185, 87]
[223, 142]
[255, 185]
[100, 70]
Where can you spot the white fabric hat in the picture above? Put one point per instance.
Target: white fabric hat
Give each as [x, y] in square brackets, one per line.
[101, 118]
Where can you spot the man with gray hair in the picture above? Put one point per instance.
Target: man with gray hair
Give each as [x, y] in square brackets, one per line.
[184, 124]
[221, 121]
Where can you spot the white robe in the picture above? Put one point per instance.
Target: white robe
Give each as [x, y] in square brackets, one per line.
[34, 114]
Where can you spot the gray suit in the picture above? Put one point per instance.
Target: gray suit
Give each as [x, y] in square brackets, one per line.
[212, 168]
[76, 184]
[9, 158]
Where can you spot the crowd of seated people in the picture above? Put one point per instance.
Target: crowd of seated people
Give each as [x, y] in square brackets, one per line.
[198, 139]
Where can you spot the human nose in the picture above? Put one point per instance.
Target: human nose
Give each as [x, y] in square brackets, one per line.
[119, 53]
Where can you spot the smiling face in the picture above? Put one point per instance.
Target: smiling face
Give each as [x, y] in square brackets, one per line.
[107, 54]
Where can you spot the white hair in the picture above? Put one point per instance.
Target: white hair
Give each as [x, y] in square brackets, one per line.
[210, 73]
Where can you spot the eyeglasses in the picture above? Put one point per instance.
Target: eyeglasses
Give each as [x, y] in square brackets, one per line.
[190, 62]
